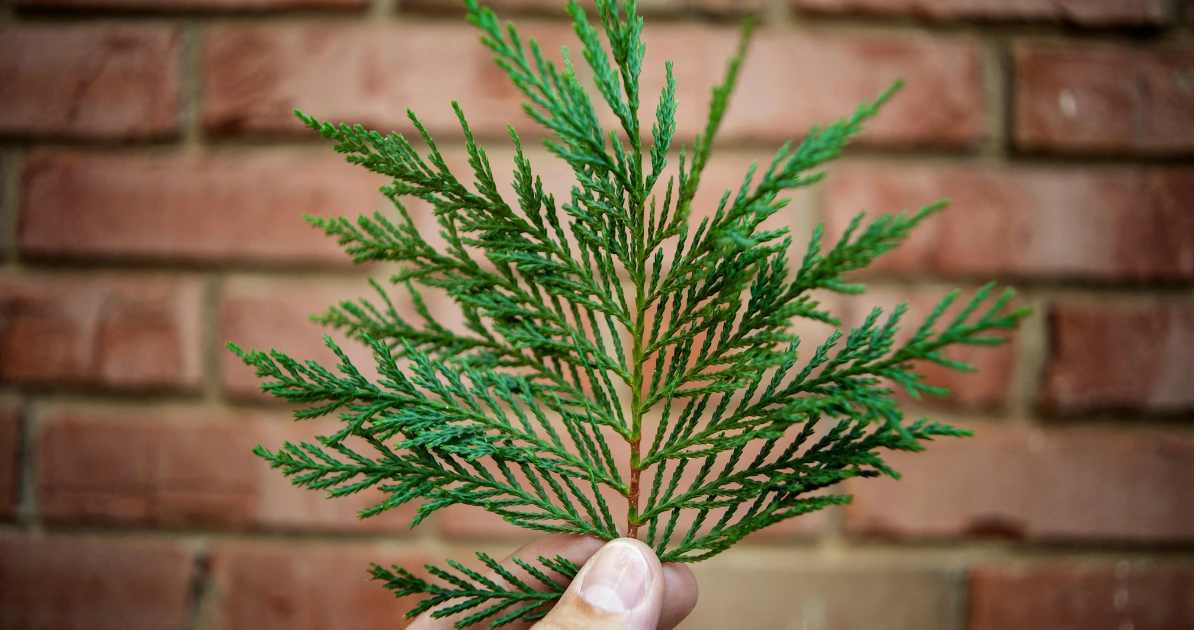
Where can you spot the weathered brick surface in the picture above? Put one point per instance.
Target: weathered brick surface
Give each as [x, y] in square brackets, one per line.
[254, 77]
[783, 592]
[94, 82]
[987, 388]
[1081, 12]
[10, 459]
[100, 331]
[1077, 484]
[151, 193]
[1102, 98]
[258, 314]
[94, 583]
[179, 467]
[1062, 596]
[779, 99]
[1111, 355]
[220, 208]
[1101, 223]
[170, 6]
[280, 586]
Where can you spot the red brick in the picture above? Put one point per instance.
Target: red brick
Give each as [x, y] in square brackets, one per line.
[1082, 223]
[186, 467]
[241, 208]
[94, 583]
[263, 315]
[1081, 12]
[93, 82]
[779, 99]
[1050, 485]
[168, 6]
[294, 587]
[1102, 98]
[1081, 596]
[106, 331]
[254, 77]
[987, 388]
[1110, 355]
[10, 460]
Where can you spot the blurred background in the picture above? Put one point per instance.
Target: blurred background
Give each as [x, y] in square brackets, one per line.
[152, 179]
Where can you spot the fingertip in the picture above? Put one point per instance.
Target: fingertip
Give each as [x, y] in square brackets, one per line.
[621, 586]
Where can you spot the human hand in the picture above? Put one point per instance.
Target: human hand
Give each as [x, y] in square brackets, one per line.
[622, 586]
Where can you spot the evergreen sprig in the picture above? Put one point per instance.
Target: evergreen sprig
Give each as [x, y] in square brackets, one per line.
[608, 315]
[501, 596]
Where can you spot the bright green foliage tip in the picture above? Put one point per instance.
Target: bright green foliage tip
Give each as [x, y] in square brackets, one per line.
[602, 318]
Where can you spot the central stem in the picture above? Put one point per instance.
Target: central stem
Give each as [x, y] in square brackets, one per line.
[638, 205]
[635, 434]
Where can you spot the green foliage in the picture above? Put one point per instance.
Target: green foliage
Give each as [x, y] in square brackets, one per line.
[585, 317]
[482, 596]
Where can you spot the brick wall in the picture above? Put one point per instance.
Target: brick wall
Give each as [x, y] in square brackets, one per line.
[151, 183]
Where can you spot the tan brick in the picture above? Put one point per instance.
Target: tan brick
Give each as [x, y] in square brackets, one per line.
[302, 587]
[1082, 223]
[90, 81]
[10, 460]
[1078, 12]
[240, 208]
[767, 593]
[1081, 596]
[94, 583]
[1061, 485]
[1106, 355]
[1102, 98]
[986, 388]
[104, 331]
[186, 467]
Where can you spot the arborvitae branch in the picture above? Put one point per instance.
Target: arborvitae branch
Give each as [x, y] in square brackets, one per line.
[503, 599]
[586, 319]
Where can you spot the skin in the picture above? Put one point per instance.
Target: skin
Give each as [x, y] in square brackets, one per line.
[654, 596]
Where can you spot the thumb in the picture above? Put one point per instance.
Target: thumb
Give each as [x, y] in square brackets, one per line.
[620, 587]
